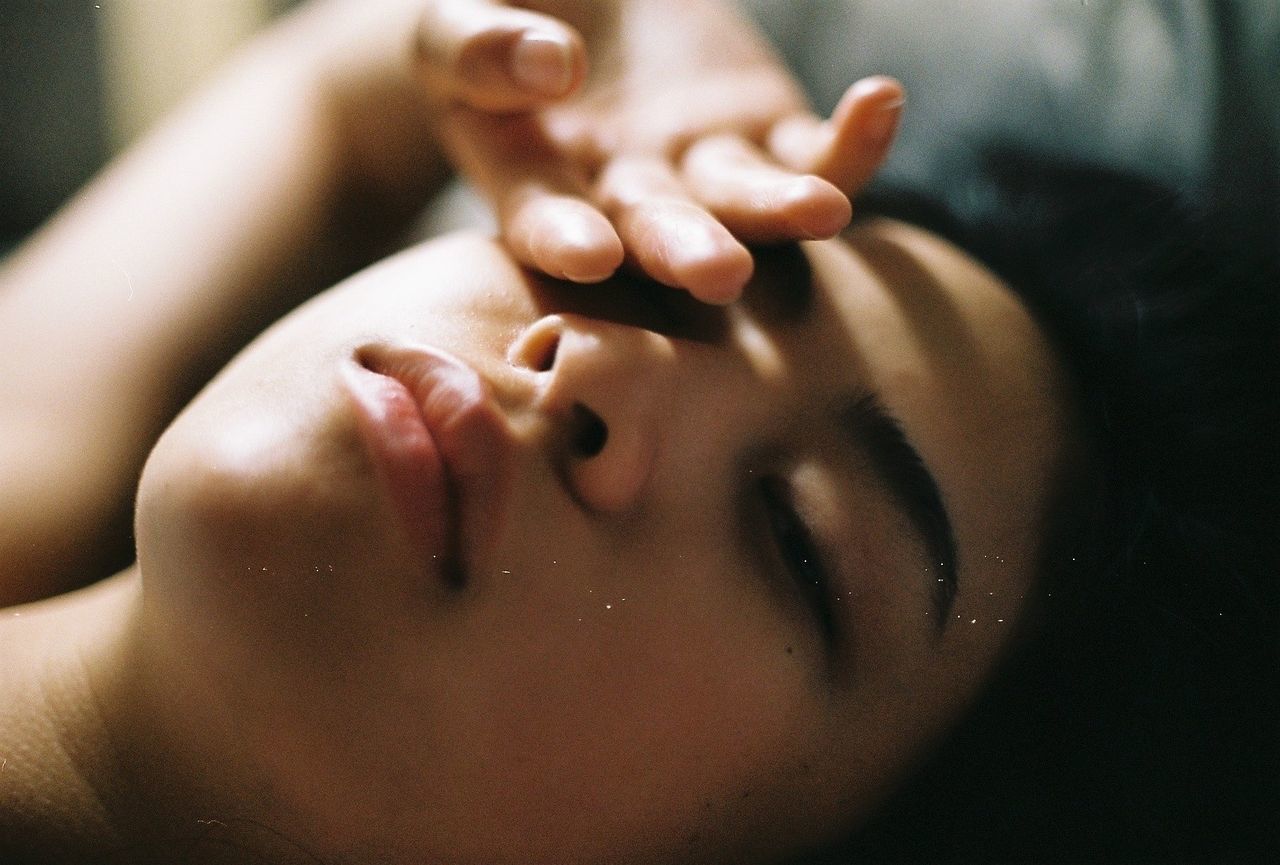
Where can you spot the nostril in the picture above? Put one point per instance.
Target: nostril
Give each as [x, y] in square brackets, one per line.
[536, 349]
[542, 356]
[589, 432]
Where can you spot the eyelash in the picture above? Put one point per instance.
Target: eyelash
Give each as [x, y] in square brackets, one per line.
[799, 552]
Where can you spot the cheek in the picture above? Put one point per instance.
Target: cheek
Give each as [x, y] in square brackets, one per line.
[574, 713]
[258, 528]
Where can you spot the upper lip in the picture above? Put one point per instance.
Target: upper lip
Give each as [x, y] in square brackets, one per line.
[470, 431]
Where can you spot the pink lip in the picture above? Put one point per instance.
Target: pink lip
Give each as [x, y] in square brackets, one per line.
[442, 447]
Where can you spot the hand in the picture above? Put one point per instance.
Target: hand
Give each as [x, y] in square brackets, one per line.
[685, 139]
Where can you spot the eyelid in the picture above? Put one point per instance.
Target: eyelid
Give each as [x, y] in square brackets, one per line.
[811, 577]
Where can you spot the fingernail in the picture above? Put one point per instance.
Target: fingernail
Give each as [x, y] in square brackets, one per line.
[710, 264]
[542, 64]
[883, 121]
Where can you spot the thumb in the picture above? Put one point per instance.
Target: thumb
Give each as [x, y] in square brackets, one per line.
[496, 58]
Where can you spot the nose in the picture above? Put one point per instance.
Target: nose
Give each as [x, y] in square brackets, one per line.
[608, 389]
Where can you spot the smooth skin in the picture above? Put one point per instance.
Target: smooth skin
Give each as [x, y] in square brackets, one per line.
[630, 672]
[308, 156]
[313, 153]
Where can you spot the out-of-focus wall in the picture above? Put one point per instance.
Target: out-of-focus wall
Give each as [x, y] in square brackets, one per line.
[154, 51]
[50, 108]
[80, 79]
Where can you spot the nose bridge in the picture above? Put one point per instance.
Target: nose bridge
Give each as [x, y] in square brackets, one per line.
[611, 389]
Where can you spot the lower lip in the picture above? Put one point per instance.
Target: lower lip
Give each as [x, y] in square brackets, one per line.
[409, 462]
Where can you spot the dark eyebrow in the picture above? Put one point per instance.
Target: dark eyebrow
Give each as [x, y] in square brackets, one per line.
[914, 490]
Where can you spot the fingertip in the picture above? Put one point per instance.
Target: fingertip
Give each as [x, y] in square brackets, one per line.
[855, 142]
[498, 58]
[815, 208]
[579, 247]
[724, 288]
[547, 63]
[712, 269]
[877, 90]
[591, 264]
[871, 108]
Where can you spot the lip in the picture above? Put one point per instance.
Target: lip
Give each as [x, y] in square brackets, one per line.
[442, 447]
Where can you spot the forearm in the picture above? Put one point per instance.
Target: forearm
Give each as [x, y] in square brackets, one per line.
[119, 309]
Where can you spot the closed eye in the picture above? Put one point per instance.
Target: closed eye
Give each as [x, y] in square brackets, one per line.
[799, 554]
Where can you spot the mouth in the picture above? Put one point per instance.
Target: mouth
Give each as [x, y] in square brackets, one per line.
[442, 448]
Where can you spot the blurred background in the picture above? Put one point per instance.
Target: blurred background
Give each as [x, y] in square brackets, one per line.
[79, 80]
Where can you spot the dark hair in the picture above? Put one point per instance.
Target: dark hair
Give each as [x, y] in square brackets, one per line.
[1140, 721]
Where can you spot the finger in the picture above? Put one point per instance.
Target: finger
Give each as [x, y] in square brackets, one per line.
[497, 58]
[667, 234]
[755, 199]
[849, 148]
[539, 201]
[747, 102]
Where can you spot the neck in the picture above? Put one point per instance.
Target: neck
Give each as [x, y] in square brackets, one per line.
[59, 793]
[84, 769]
[100, 761]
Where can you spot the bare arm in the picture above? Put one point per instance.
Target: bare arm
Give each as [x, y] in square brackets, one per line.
[122, 306]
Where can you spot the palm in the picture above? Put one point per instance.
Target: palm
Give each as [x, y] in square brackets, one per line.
[655, 88]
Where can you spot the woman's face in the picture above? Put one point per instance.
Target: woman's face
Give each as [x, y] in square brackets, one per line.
[649, 581]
